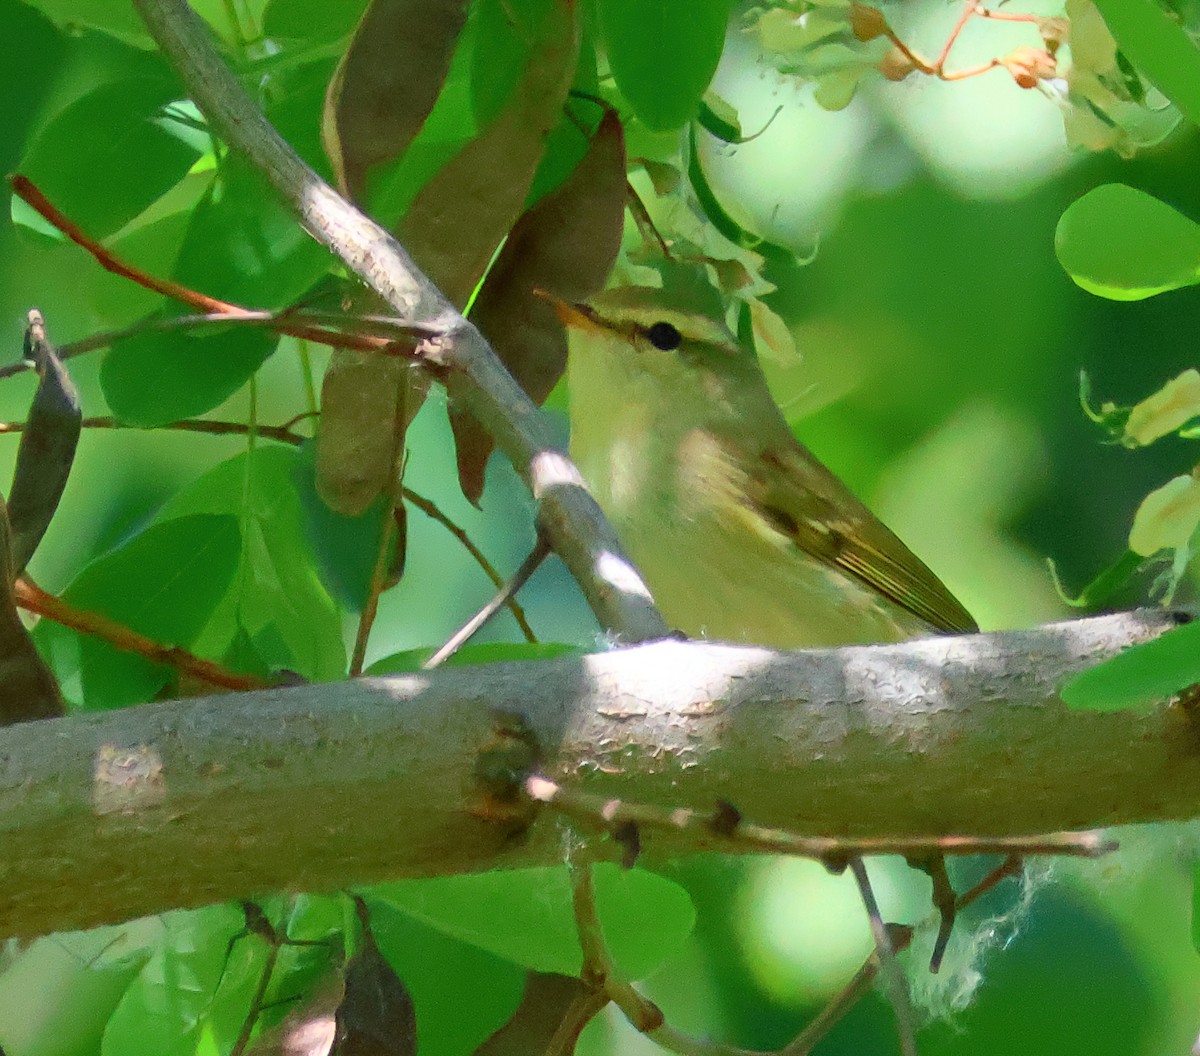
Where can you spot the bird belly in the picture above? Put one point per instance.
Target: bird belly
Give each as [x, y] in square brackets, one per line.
[711, 585]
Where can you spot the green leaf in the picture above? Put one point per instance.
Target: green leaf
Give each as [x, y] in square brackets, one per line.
[164, 583]
[663, 54]
[311, 21]
[153, 378]
[1160, 47]
[345, 547]
[116, 19]
[165, 1008]
[243, 245]
[445, 977]
[525, 915]
[1140, 674]
[1123, 244]
[410, 660]
[109, 154]
[57, 995]
[277, 597]
[1196, 906]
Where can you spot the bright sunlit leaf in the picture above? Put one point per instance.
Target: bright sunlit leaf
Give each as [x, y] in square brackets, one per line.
[1138, 675]
[1123, 244]
[525, 915]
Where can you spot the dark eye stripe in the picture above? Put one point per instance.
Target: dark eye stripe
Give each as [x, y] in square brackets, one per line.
[664, 337]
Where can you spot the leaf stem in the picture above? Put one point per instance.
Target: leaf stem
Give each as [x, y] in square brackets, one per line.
[32, 598]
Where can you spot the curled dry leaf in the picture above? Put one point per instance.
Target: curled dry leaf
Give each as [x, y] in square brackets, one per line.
[553, 1008]
[460, 216]
[386, 84]
[356, 440]
[451, 231]
[564, 245]
[27, 688]
[47, 447]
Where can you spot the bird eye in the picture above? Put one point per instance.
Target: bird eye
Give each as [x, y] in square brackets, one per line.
[664, 337]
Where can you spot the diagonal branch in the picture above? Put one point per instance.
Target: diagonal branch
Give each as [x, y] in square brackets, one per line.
[461, 359]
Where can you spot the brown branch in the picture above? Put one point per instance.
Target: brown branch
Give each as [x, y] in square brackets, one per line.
[32, 598]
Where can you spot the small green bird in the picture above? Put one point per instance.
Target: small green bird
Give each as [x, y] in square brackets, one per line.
[741, 533]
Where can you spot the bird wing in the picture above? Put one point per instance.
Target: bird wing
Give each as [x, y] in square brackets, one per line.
[802, 500]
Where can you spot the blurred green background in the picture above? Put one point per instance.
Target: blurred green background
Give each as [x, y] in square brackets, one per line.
[942, 347]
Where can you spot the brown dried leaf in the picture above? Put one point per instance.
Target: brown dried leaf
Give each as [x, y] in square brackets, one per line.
[47, 448]
[387, 83]
[355, 441]
[565, 245]
[550, 1002]
[451, 231]
[460, 216]
[27, 688]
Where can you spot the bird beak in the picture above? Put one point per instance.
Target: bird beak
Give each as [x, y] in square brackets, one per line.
[579, 316]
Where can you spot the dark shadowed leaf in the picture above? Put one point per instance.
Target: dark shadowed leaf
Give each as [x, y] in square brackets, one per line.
[565, 245]
[47, 447]
[547, 1000]
[1140, 674]
[152, 378]
[344, 546]
[386, 83]
[663, 53]
[461, 215]
[165, 584]
[109, 154]
[376, 1016]
[363, 401]
[27, 688]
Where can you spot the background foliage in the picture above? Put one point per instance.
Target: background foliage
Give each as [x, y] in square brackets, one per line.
[942, 343]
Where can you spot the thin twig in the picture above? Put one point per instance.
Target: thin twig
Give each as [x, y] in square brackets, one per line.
[598, 968]
[610, 813]
[32, 598]
[897, 987]
[283, 322]
[256, 1002]
[464, 634]
[189, 425]
[964, 17]
[284, 435]
[432, 510]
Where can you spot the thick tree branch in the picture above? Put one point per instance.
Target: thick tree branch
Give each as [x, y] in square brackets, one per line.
[108, 816]
[464, 362]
